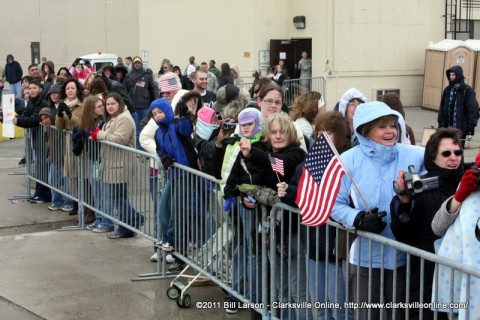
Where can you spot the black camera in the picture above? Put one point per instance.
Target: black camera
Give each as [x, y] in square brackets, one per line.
[414, 183]
[229, 125]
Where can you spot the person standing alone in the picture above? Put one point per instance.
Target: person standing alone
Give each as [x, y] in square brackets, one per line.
[458, 106]
[13, 75]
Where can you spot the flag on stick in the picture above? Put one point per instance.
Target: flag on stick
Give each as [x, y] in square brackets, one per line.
[277, 165]
[319, 183]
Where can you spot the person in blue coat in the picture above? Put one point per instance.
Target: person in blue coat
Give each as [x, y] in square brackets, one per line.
[173, 139]
[374, 164]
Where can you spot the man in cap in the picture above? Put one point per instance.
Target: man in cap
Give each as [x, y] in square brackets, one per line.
[142, 90]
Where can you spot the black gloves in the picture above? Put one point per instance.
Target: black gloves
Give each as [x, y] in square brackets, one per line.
[230, 140]
[166, 161]
[371, 222]
[62, 107]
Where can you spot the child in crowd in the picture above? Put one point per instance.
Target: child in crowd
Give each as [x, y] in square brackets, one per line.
[172, 138]
[237, 176]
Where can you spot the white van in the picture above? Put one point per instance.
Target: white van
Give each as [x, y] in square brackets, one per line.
[98, 60]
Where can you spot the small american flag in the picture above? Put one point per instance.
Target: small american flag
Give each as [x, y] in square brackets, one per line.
[277, 165]
[319, 183]
[168, 85]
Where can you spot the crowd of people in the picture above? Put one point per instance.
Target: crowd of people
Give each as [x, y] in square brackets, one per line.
[206, 120]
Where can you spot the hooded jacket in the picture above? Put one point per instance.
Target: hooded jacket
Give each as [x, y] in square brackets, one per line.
[141, 88]
[13, 71]
[373, 166]
[173, 136]
[350, 94]
[462, 112]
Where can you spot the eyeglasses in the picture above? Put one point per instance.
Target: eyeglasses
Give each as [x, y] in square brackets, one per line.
[271, 101]
[448, 153]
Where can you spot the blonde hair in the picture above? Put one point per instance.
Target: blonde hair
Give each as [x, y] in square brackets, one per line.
[386, 120]
[287, 125]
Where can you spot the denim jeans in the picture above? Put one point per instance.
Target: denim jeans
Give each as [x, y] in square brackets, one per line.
[172, 204]
[16, 89]
[116, 197]
[290, 278]
[247, 263]
[97, 188]
[318, 292]
[138, 116]
[154, 193]
[57, 180]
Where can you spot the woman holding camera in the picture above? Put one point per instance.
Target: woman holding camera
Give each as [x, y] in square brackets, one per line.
[413, 211]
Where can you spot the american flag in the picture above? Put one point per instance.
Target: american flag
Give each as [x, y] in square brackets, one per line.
[319, 183]
[277, 165]
[167, 85]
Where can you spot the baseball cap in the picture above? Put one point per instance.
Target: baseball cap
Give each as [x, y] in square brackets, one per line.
[137, 59]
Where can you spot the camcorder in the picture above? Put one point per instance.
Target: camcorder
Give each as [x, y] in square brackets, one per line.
[414, 185]
[229, 125]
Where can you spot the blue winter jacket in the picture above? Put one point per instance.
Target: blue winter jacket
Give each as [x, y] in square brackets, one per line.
[373, 167]
[173, 136]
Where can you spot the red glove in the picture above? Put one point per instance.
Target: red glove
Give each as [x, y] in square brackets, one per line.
[468, 184]
[477, 160]
[94, 133]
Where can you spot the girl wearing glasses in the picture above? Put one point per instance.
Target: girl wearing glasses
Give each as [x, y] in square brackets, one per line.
[412, 215]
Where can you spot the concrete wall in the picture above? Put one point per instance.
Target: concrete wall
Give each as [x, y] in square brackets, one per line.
[67, 29]
[369, 44]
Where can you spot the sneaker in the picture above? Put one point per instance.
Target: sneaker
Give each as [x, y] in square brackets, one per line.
[103, 229]
[154, 257]
[232, 305]
[176, 267]
[22, 161]
[168, 258]
[36, 199]
[54, 207]
[165, 246]
[67, 208]
[91, 226]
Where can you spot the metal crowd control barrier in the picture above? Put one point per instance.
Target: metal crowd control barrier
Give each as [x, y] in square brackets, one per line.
[266, 260]
[295, 87]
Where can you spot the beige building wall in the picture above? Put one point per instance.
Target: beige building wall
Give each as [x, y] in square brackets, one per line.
[67, 29]
[368, 44]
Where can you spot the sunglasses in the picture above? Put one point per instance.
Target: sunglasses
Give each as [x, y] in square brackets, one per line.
[448, 153]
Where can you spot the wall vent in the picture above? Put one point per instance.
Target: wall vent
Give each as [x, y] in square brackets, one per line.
[378, 93]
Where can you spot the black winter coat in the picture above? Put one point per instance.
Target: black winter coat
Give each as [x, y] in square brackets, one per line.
[464, 108]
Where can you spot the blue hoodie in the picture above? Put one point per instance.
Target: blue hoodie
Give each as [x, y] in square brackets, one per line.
[374, 167]
[173, 136]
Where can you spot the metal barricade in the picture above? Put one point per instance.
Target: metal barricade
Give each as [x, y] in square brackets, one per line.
[295, 87]
[265, 259]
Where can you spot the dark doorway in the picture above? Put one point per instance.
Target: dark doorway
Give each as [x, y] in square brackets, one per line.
[291, 50]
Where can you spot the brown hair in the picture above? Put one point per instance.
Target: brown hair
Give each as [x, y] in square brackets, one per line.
[334, 123]
[365, 129]
[436, 138]
[115, 96]
[88, 121]
[392, 100]
[269, 87]
[306, 105]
